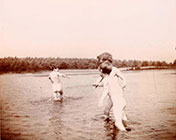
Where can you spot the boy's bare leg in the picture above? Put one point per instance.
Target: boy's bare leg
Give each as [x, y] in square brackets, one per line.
[61, 94]
[58, 95]
[55, 94]
[108, 106]
[124, 117]
[124, 121]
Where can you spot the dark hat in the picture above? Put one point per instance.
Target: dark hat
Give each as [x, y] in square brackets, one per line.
[104, 57]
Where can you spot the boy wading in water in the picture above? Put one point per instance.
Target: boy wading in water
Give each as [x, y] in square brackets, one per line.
[54, 77]
[113, 90]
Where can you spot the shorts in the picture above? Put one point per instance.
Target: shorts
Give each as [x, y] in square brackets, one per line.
[57, 87]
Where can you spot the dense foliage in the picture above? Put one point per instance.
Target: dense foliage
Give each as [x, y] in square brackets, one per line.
[29, 64]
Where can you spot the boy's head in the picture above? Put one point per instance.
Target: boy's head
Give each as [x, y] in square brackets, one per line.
[55, 69]
[104, 57]
[106, 67]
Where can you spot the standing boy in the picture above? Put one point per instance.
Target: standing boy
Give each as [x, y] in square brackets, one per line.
[107, 57]
[54, 77]
[114, 91]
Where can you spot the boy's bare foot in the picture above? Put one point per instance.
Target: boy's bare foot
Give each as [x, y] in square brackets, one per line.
[128, 129]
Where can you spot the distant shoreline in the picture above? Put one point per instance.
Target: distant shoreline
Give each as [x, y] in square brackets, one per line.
[121, 68]
[32, 65]
[149, 68]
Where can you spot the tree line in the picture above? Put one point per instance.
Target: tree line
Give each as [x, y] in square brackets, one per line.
[30, 64]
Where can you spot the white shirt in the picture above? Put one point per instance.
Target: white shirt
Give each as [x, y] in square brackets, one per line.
[54, 75]
[115, 73]
[113, 89]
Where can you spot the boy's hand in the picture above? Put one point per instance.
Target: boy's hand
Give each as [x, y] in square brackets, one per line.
[95, 85]
[51, 80]
[124, 86]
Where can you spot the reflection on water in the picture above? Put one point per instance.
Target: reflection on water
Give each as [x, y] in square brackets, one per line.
[29, 112]
[110, 129]
[56, 119]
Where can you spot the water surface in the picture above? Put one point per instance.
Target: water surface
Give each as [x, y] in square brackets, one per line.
[28, 111]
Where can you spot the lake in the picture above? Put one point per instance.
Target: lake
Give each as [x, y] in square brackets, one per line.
[28, 111]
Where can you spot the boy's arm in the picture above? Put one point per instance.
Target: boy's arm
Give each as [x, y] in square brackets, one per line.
[50, 79]
[63, 75]
[98, 82]
[120, 75]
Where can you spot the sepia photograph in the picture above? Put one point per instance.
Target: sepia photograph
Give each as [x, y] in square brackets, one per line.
[87, 69]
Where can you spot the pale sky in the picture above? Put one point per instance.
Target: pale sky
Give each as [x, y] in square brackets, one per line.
[128, 29]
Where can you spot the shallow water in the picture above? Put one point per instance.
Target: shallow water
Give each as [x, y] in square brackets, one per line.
[28, 111]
